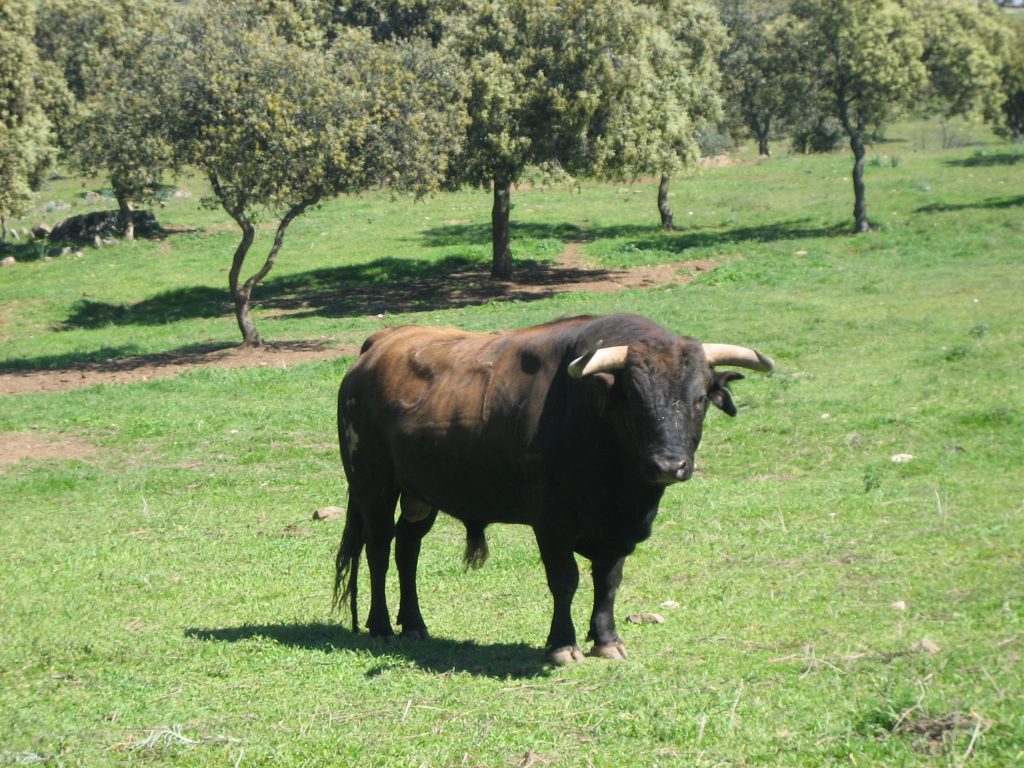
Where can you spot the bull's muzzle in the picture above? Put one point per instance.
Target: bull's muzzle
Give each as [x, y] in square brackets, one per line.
[666, 471]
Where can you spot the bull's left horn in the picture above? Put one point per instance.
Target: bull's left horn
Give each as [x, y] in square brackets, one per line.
[598, 360]
[742, 357]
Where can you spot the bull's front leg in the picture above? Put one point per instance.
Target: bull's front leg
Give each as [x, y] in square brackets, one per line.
[607, 577]
[563, 579]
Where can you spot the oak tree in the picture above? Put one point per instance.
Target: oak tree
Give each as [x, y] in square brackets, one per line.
[278, 127]
[26, 142]
[862, 63]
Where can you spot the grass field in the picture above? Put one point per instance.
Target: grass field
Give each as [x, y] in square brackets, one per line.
[165, 594]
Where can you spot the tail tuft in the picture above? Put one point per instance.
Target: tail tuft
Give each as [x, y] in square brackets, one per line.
[476, 546]
[346, 563]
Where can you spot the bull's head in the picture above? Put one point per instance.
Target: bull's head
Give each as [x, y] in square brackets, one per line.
[661, 393]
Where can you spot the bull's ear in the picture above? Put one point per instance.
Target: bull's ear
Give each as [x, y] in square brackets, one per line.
[719, 393]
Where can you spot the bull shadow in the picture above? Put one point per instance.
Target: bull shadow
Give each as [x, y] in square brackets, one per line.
[435, 655]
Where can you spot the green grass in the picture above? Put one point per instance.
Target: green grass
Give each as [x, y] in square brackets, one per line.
[165, 600]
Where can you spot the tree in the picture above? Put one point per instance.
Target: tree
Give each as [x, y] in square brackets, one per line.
[105, 50]
[862, 63]
[1010, 123]
[758, 68]
[964, 46]
[683, 87]
[278, 128]
[26, 148]
[571, 84]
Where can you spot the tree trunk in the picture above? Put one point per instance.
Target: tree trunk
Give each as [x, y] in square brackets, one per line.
[240, 293]
[243, 293]
[666, 212]
[501, 266]
[856, 135]
[762, 140]
[860, 205]
[127, 221]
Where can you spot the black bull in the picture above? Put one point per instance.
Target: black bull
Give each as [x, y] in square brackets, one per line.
[574, 428]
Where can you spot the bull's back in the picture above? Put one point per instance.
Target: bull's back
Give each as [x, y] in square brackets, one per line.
[453, 413]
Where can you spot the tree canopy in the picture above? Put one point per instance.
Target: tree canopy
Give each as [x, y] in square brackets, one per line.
[758, 67]
[862, 63]
[278, 127]
[612, 88]
[26, 143]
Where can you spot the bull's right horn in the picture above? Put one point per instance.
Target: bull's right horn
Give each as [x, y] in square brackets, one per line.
[597, 360]
[742, 357]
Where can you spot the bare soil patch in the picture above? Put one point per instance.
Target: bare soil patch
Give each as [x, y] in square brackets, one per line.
[18, 446]
[137, 368]
[463, 288]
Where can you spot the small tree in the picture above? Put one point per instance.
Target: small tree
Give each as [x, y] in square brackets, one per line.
[964, 46]
[862, 62]
[569, 84]
[104, 48]
[682, 85]
[26, 148]
[278, 128]
[1010, 122]
[757, 68]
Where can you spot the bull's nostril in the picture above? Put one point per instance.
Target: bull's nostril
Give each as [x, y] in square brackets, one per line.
[671, 470]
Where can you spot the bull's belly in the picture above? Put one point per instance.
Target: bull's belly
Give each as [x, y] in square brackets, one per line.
[470, 485]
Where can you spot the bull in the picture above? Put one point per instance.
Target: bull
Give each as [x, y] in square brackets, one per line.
[575, 428]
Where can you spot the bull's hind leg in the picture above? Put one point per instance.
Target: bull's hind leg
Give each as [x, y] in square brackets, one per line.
[607, 577]
[408, 537]
[379, 521]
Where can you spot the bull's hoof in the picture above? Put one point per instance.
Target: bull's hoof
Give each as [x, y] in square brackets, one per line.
[616, 651]
[415, 634]
[567, 654]
[385, 637]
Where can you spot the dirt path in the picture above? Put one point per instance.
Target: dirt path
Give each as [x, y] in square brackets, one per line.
[569, 273]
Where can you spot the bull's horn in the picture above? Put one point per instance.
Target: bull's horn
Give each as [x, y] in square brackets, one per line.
[598, 359]
[743, 357]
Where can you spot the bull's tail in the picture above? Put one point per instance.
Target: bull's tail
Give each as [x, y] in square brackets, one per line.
[476, 545]
[347, 564]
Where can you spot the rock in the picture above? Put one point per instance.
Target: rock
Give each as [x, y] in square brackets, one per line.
[670, 604]
[899, 605]
[41, 230]
[645, 618]
[902, 458]
[7, 261]
[94, 227]
[329, 513]
[924, 645]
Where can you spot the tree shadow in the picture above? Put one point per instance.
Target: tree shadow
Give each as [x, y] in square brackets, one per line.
[197, 301]
[641, 237]
[991, 202]
[387, 285]
[397, 286]
[988, 160]
[684, 240]
[126, 359]
[436, 655]
[479, 233]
